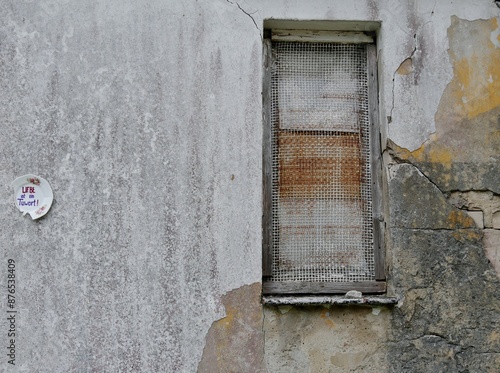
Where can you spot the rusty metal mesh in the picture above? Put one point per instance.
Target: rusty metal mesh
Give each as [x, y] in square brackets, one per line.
[321, 200]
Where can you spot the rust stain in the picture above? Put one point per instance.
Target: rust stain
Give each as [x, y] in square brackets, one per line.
[235, 343]
[325, 315]
[314, 166]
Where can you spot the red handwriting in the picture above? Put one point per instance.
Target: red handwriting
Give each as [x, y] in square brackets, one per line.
[28, 189]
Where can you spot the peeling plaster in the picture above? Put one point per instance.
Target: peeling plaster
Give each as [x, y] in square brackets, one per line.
[484, 201]
[475, 88]
[410, 108]
[495, 36]
[482, 208]
[416, 86]
[406, 66]
[411, 196]
[456, 157]
[491, 243]
[235, 343]
[487, 207]
[449, 286]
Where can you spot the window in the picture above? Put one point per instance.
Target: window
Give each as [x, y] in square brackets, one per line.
[321, 164]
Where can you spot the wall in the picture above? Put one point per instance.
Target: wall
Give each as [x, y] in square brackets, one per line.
[145, 117]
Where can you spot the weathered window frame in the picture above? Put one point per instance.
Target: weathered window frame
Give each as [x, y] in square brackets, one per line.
[378, 285]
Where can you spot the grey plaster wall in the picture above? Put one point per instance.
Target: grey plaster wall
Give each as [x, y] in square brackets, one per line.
[145, 117]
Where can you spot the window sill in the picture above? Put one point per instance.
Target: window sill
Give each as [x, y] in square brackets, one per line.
[314, 300]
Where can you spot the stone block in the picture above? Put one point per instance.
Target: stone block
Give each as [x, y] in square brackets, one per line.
[477, 216]
[495, 220]
[491, 242]
[474, 200]
[415, 202]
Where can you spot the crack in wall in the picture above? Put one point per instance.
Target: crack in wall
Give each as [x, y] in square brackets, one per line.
[470, 200]
[436, 335]
[389, 118]
[248, 14]
[481, 206]
[398, 160]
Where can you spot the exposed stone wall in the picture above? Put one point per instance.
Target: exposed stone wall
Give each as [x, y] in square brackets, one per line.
[450, 291]
[444, 259]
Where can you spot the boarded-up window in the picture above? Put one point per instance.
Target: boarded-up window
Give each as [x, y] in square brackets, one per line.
[320, 235]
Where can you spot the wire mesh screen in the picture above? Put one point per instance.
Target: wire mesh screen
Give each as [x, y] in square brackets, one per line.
[321, 199]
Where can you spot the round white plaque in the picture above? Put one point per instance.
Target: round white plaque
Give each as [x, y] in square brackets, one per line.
[33, 195]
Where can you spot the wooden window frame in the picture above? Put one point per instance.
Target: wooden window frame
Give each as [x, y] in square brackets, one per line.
[378, 285]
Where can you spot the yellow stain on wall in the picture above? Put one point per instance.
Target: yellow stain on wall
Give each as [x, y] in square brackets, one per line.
[459, 219]
[476, 82]
[225, 329]
[473, 90]
[466, 235]
[228, 321]
[432, 154]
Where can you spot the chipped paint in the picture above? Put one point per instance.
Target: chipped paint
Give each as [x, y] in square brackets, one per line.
[406, 67]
